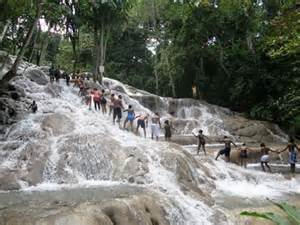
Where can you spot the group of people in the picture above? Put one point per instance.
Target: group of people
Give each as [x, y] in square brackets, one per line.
[292, 148]
[100, 100]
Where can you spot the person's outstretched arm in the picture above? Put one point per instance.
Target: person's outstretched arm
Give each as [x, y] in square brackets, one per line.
[283, 150]
[233, 143]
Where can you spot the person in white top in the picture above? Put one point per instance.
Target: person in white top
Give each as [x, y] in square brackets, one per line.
[155, 125]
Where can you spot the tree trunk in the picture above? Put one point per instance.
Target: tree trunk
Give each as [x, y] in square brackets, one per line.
[156, 75]
[101, 49]
[4, 30]
[96, 54]
[13, 71]
[34, 42]
[74, 48]
[221, 56]
[171, 78]
[44, 46]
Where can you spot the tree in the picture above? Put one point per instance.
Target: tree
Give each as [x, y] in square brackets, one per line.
[13, 71]
[102, 16]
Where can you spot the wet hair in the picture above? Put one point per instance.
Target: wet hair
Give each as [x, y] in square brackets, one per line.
[225, 136]
[244, 144]
[130, 106]
[292, 140]
[33, 102]
[103, 90]
[200, 131]
[262, 145]
[120, 96]
[167, 122]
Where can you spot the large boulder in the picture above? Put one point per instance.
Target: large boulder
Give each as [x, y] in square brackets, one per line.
[57, 124]
[37, 76]
[8, 180]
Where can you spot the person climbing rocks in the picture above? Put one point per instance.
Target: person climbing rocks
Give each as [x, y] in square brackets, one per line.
[81, 88]
[155, 125]
[130, 117]
[103, 102]
[265, 157]
[201, 141]
[142, 122]
[51, 74]
[91, 99]
[168, 127]
[293, 150]
[97, 98]
[111, 103]
[57, 74]
[117, 109]
[227, 149]
[244, 154]
[33, 107]
[67, 77]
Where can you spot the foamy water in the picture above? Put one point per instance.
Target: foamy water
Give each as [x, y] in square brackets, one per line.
[228, 179]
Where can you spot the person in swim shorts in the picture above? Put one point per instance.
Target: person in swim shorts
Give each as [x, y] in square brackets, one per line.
[201, 141]
[142, 122]
[227, 149]
[244, 154]
[265, 157]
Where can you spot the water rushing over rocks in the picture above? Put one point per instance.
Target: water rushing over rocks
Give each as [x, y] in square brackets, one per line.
[71, 165]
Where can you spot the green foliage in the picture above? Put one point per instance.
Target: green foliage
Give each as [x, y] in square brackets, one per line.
[292, 215]
[240, 54]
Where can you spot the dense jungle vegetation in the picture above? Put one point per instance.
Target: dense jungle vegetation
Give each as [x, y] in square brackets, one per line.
[241, 54]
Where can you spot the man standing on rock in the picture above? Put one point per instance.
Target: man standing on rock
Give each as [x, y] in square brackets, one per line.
[117, 109]
[201, 141]
[227, 149]
[265, 158]
[142, 122]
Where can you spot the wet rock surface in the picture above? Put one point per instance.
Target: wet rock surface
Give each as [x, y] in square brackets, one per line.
[65, 145]
[57, 124]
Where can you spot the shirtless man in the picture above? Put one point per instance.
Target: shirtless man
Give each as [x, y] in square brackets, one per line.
[265, 157]
[155, 125]
[142, 122]
[227, 149]
[118, 106]
[201, 141]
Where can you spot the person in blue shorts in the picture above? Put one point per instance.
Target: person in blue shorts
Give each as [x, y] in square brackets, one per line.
[142, 122]
[130, 117]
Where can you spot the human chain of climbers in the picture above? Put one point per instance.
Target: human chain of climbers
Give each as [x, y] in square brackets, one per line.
[100, 100]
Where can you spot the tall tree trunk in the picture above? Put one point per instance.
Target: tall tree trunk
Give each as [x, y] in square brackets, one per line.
[172, 83]
[156, 75]
[101, 49]
[34, 42]
[13, 71]
[105, 42]
[74, 44]
[4, 30]
[221, 62]
[44, 47]
[96, 54]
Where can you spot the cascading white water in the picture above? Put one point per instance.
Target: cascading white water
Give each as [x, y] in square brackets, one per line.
[82, 147]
